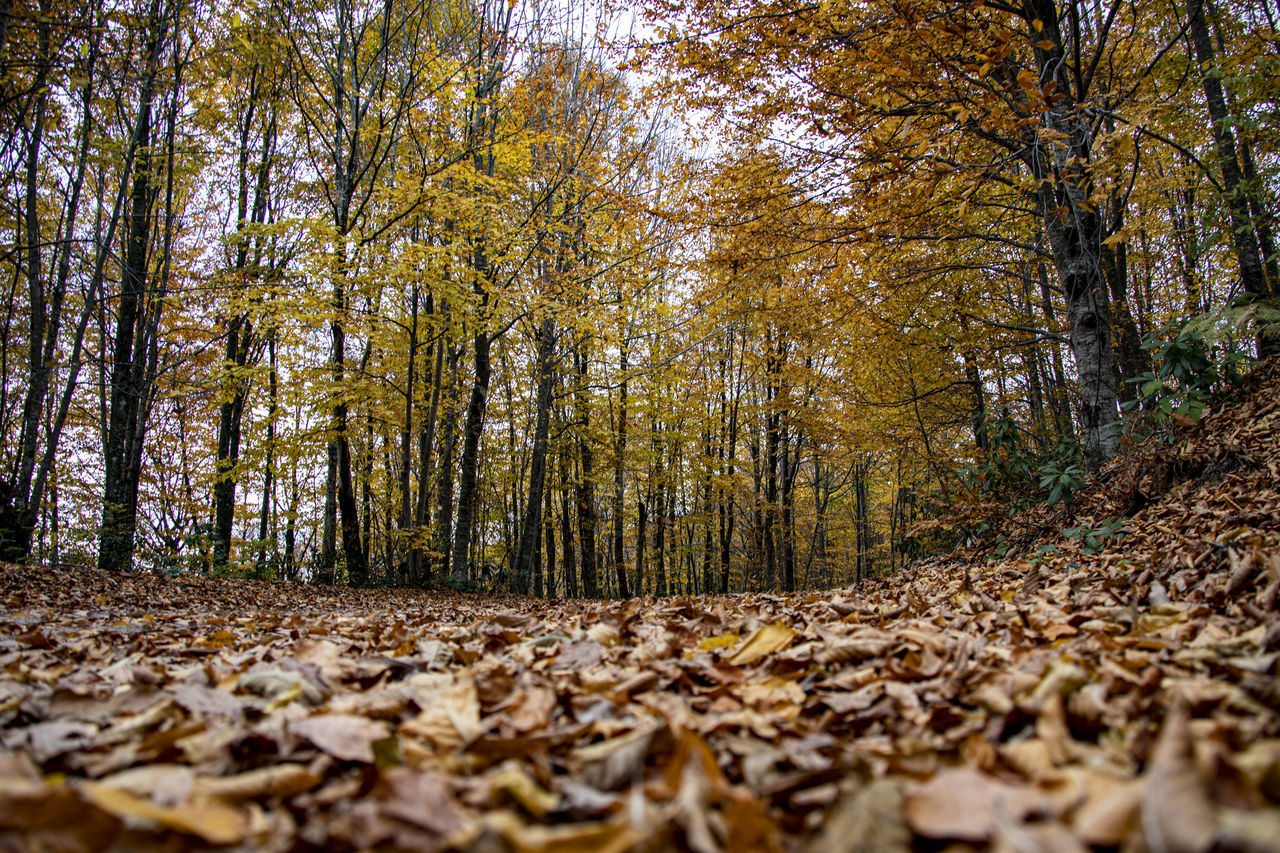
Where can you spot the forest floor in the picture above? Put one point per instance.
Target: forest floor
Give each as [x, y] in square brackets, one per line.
[1113, 691]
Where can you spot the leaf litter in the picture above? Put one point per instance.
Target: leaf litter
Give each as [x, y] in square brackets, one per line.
[1051, 700]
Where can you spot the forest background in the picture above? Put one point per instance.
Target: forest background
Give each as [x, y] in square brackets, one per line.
[494, 294]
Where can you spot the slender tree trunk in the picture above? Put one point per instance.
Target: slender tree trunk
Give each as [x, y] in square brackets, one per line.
[619, 480]
[420, 572]
[790, 465]
[771, 501]
[230, 416]
[405, 520]
[548, 539]
[707, 581]
[38, 366]
[566, 532]
[1243, 231]
[642, 520]
[268, 469]
[444, 510]
[586, 485]
[469, 465]
[528, 542]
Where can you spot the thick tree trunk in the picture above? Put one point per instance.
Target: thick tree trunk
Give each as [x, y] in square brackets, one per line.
[115, 550]
[1074, 230]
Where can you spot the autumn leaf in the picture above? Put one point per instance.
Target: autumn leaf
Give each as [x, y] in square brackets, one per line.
[344, 736]
[763, 642]
[213, 822]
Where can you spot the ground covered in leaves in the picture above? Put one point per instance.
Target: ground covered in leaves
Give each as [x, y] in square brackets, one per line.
[1113, 692]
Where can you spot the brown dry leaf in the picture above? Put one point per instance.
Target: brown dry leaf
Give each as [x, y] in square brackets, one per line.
[857, 649]
[963, 804]
[274, 682]
[867, 819]
[423, 800]
[531, 709]
[344, 736]
[1177, 815]
[162, 784]
[280, 780]
[207, 701]
[1049, 837]
[610, 764]
[763, 642]
[1111, 810]
[211, 821]
[1256, 831]
[612, 837]
[451, 718]
[51, 817]
[515, 783]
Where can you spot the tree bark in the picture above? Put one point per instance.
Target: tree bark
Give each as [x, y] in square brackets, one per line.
[530, 525]
[1074, 229]
[1243, 232]
[586, 484]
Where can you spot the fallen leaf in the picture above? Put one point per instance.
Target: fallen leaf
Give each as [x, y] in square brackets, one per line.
[963, 804]
[1177, 816]
[763, 642]
[867, 819]
[215, 823]
[344, 736]
[280, 780]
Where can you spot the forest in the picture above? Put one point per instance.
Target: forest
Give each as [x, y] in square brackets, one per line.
[505, 426]
[574, 300]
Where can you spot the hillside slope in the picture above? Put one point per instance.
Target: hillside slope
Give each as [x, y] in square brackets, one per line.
[1051, 699]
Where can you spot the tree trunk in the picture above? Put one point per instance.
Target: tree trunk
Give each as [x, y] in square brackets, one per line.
[268, 473]
[549, 542]
[619, 481]
[1074, 229]
[1243, 231]
[641, 522]
[566, 532]
[115, 551]
[529, 527]
[470, 462]
[586, 486]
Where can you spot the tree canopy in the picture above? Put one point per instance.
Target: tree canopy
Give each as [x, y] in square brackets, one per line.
[747, 296]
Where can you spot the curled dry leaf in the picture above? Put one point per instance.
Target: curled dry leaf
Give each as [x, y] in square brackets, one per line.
[1177, 816]
[280, 780]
